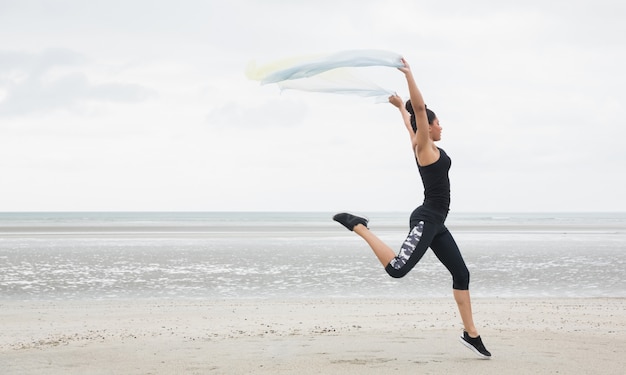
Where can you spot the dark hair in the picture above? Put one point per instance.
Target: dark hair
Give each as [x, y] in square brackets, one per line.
[430, 114]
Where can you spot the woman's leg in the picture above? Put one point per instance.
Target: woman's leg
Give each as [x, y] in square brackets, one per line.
[358, 225]
[463, 302]
[447, 251]
[413, 248]
[383, 252]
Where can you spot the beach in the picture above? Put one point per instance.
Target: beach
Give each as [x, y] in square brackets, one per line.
[310, 336]
[295, 293]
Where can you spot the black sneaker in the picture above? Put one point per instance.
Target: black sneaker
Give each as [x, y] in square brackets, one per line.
[476, 345]
[350, 221]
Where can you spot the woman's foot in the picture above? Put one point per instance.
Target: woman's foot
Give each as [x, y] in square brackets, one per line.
[476, 345]
[350, 221]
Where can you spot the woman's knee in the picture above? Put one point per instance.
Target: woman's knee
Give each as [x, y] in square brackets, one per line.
[397, 273]
[460, 280]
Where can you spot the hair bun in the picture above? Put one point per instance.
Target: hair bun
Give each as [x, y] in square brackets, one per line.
[409, 107]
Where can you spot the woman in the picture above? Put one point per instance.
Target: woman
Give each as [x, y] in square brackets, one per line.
[427, 227]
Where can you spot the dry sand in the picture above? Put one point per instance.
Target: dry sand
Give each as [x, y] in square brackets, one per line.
[308, 336]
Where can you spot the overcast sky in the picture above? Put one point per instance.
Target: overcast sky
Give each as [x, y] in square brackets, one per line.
[145, 105]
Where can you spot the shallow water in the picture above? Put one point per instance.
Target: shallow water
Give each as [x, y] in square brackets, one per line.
[261, 255]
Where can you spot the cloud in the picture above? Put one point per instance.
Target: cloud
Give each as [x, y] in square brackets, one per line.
[52, 80]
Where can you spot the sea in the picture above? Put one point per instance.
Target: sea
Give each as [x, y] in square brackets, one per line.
[246, 255]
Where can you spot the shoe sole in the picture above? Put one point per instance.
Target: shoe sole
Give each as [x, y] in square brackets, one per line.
[472, 348]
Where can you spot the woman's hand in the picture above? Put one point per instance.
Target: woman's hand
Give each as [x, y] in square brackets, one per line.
[396, 100]
[406, 69]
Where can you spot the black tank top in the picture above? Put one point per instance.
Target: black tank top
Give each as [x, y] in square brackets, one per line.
[437, 184]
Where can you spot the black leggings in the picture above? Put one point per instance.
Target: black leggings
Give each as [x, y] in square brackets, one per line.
[436, 236]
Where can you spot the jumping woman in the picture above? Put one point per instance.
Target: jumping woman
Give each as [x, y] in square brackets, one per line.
[427, 222]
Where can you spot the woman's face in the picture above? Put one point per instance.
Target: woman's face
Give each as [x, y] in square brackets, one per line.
[435, 130]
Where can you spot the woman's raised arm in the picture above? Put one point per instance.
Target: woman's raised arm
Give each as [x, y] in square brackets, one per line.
[425, 150]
